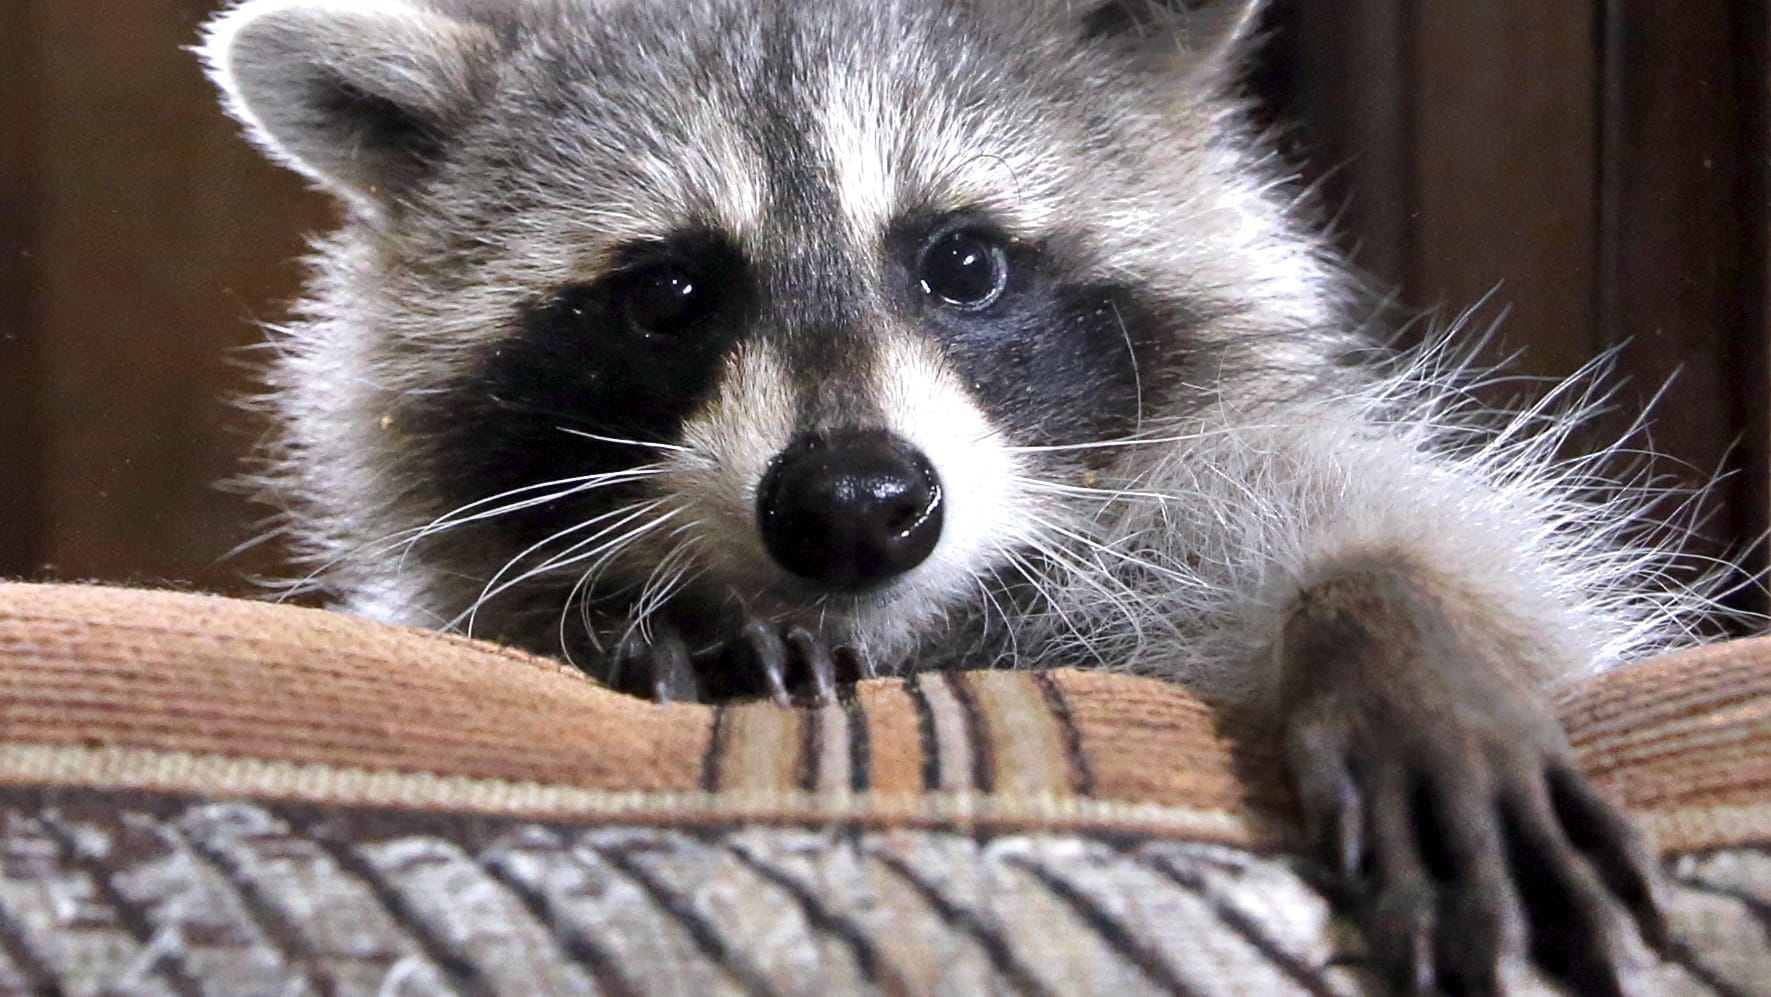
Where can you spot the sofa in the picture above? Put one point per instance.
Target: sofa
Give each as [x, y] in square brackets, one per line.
[219, 796]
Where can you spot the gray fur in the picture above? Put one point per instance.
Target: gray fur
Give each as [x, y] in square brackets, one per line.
[539, 138]
[1161, 441]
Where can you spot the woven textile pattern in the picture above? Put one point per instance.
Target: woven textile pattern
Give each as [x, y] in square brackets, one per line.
[138, 895]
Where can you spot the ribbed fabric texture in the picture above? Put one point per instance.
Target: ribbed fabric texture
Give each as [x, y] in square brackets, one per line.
[163, 689]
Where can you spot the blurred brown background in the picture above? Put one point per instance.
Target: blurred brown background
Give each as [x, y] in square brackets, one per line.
[1599, 165]
[140, 240]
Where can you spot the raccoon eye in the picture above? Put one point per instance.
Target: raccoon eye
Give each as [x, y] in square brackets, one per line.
[965, 270]
[663, 300]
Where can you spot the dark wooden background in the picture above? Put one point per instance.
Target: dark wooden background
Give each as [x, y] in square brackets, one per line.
[1592, 171]
[1596, 169]
[140, 240]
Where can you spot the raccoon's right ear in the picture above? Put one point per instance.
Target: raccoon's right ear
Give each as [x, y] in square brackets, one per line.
[1198, 38]
[359, 95]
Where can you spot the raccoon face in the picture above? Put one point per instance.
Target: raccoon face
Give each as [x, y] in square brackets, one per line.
[677, 314]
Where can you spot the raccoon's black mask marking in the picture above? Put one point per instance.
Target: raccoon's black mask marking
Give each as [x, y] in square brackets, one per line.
[1055, 357]
[583, 362]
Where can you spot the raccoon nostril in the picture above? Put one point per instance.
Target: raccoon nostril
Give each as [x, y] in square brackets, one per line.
[849, 509]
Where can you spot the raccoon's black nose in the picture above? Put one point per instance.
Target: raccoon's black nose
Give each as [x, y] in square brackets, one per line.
[849, 509]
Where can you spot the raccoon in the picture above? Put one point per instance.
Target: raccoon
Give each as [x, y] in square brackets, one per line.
[743, 347]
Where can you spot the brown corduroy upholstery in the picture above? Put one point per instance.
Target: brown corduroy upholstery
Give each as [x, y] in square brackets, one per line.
[239, 784]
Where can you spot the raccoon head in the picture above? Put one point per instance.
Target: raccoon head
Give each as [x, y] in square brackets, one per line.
[652, 313]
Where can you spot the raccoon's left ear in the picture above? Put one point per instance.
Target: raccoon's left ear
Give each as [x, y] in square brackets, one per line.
[1195, 38]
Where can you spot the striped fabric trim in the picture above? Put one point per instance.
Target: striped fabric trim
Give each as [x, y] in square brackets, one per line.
[947, 732]
[1716, 825]
[226, 697]
[1675, 828]
[169, 672]
[244, 778]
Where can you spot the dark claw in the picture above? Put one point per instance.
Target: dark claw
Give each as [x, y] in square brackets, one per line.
[1573, 922]
[1328, 796]
[1481, 923]
[1400, 932]
[790, 667]
[1403, 911]
[770, 656]
[815, 663]
[1615, 848]
[675, 676]
[1473, 940]
[657, 669]
[851, 666]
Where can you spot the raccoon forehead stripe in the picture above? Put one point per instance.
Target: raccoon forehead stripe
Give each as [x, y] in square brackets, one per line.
[888, 158]
[710, 177]
[730, 442]
[857, 126]
[726, 169]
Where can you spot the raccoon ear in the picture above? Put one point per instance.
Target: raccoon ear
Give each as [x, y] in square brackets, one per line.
[359, 95]
[1201, 38]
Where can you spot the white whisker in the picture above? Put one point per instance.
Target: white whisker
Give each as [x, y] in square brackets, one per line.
[643, 444]
[494, 588]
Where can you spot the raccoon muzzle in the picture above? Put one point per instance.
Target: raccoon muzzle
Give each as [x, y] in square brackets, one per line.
[849, 510]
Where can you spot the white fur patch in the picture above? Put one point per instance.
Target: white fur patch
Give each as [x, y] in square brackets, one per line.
[716, 174]
[945, 159]
[728, 447]
[857, 128]
[734, 174]
[984, 511]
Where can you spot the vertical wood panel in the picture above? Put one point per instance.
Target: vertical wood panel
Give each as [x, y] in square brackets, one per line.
[1338, 77]
[1683, 234]
[1505, 138]
[1597, 166]
[21, 520]
[1754, 25]
[161, 235]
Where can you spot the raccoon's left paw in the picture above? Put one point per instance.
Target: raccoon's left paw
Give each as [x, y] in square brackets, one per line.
[1437, 784]
[790, 664]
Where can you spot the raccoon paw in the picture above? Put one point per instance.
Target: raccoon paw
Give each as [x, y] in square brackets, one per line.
[794, 665]
[791, 665]
[1459, 847]
[1437, 784]
[658, 668]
